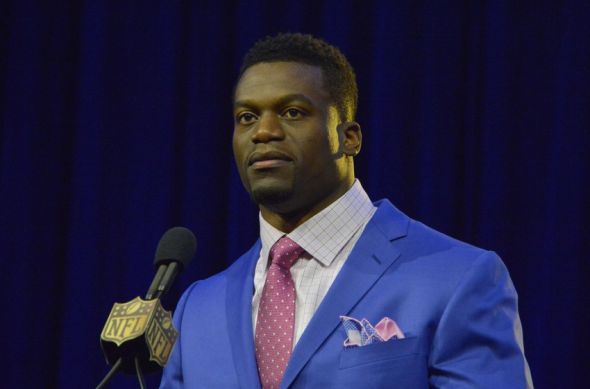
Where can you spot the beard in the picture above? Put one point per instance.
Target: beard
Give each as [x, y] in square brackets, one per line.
[274, 190]
[270, 197]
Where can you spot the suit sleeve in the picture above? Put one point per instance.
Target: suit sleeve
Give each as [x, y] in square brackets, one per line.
[172, 376]
[478, 342]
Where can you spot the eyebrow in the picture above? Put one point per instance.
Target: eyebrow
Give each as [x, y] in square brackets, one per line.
[280, 101]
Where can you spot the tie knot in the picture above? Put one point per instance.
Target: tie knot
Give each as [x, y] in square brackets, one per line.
[285, 252]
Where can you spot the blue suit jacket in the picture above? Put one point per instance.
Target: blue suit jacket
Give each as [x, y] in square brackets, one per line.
[455, 303]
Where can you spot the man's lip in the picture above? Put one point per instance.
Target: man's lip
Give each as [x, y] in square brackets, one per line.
[269, 163]
[259, 158]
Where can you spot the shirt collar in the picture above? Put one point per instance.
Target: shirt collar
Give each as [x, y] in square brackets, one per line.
[325, 234]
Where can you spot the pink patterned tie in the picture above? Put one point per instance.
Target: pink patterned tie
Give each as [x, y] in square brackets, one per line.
[276, 314]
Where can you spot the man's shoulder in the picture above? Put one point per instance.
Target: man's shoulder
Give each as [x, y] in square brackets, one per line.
[435, 263]
[418, 240]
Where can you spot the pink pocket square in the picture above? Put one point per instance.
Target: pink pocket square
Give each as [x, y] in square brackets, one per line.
[362, 333]
[387, 329]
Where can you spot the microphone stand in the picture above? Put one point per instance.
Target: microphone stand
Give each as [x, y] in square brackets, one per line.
[160, 285]
[115, 368]
[139, 374]
[107, 378]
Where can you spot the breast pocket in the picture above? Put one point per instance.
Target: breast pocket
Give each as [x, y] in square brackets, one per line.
[382, 351]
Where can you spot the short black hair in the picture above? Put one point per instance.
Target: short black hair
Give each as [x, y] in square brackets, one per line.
[338, 75]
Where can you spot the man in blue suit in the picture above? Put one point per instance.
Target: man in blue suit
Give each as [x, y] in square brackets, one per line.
[378, 300]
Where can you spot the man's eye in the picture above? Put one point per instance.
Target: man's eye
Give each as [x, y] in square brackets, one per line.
[246, 118]
[293, 113]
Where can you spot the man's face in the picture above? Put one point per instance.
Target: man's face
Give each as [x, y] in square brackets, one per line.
[287, 140]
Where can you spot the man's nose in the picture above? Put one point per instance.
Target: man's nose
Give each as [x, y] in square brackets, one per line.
[267, 129]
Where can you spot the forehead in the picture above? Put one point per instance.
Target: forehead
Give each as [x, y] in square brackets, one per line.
[270, 80]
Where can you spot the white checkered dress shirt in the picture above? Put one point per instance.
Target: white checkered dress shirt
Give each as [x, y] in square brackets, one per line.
[328, 238]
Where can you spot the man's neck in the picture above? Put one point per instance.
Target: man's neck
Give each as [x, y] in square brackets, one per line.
[288, 221]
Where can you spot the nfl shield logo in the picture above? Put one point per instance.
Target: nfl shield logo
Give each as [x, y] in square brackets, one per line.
[160, 335]
[128, 320]
[141, 328]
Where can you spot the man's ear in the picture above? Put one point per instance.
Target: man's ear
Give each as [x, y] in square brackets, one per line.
[352, 138]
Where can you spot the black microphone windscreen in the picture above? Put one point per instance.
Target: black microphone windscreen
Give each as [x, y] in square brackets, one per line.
[178, 244]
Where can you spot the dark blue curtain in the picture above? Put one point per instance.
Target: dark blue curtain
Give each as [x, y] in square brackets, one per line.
[115, 123]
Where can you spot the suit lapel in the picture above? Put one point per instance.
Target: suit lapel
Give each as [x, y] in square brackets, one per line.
[240, 288]
[372, 255]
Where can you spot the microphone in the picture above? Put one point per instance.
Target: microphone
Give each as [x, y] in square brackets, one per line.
[139, 334]
[175, 250]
